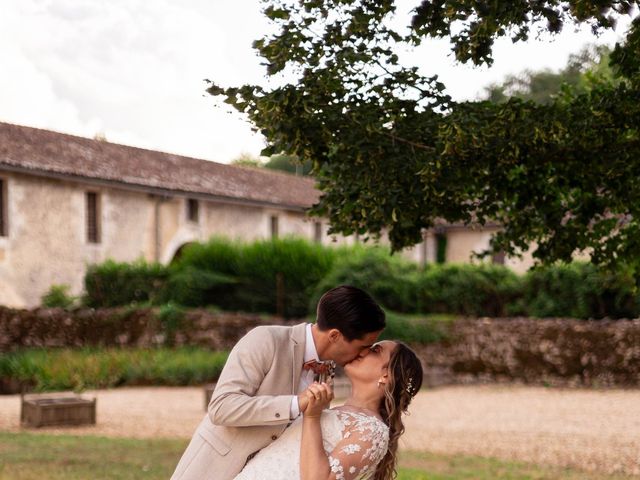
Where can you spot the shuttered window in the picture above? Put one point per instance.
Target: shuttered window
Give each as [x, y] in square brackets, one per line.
[193, 210]
[441, 247]
[274, 226]
[3, 208]
[93, 217]
[498, 258]
[318, 232]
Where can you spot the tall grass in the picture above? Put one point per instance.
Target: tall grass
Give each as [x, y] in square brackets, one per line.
[78, 369]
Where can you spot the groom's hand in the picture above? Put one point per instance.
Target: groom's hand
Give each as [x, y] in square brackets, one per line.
[303, 401]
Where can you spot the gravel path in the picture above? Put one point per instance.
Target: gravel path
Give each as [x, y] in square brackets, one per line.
[593, 430]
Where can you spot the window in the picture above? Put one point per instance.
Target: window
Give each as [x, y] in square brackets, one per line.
[93, 217]
[498, 258]
[317, 232]
[274, 226]
[441, 247]
[3, 208]
[192, 210]
[424, 251]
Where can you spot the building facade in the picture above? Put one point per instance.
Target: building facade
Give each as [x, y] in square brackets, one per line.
[67, 202]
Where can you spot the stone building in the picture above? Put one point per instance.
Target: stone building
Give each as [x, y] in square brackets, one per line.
[67, 201]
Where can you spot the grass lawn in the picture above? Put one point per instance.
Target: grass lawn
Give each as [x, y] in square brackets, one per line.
[26, 456]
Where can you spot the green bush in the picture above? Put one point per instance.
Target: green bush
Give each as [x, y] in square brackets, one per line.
[288, 276]
[421, 329]
[474, 290]
[578, 290]
[279, 276]
[196, 287]
[58, 296]
[78, 369]
[170, 316]
[391, 280]
[267, 276]
[111, 284]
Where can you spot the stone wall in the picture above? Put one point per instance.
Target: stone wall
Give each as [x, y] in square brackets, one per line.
[554, 352]
[123, 327]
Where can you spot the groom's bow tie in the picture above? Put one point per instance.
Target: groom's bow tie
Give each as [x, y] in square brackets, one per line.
[321, 370]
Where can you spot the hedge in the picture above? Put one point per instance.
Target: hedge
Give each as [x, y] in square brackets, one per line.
[274, 276]
[288, 276]
[111, 283]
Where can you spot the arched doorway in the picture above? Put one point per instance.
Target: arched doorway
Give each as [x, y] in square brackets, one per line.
[179, 251]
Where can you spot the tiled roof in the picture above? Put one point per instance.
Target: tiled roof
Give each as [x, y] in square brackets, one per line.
[52, 153]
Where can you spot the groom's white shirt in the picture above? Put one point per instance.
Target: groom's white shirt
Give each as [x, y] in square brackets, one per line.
[252, 403]
[306, 377]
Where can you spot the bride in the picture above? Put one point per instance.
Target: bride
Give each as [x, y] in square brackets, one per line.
[358, 440]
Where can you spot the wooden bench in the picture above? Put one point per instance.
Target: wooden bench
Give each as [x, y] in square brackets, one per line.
[39, 410]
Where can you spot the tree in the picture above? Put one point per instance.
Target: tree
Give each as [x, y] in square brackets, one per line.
[584, 71]
[392, 151]
[247, 160]
[288, 163]
[282, 162]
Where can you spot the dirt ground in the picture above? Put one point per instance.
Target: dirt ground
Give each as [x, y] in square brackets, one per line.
[589, 429]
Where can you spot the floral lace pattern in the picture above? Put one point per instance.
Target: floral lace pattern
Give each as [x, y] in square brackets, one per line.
[364, 443]
[355, 443]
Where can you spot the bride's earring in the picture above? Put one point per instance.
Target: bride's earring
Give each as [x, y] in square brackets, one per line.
[380, 383]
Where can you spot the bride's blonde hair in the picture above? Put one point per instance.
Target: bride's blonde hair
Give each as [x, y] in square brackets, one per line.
[405, 379]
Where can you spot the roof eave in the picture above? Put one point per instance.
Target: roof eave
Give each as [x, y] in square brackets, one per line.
[150, 189]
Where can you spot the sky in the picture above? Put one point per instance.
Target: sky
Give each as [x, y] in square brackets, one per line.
[134, 70]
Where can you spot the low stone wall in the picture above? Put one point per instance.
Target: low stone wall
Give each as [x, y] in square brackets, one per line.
[55, 327]
[555, 352]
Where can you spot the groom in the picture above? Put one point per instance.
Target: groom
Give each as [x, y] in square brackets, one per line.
[260, 389]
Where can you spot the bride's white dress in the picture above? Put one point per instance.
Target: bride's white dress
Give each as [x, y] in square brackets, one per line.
[354, 441]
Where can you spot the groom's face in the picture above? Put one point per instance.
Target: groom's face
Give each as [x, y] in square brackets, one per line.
[345, 351]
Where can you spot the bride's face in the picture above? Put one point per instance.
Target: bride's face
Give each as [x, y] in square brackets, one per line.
[344, 351]
[374, 366]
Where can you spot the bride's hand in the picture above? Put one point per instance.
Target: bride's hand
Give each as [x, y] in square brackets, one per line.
[320, 396]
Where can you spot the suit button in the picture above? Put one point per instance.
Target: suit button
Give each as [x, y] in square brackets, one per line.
[277, 415]
[274, 437]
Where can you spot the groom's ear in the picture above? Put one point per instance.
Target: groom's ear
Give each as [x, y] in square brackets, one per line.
[334, 335]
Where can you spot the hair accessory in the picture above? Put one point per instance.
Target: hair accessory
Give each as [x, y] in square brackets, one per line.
[410, 388]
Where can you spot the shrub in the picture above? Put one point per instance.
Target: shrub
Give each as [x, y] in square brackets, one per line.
[110, 284]
[288, 276]
[171, 317]
[58, 296]
[579, 290]
[475, 290]
[195, 287]
[416, 329]
[270, 276]
[391, 280]
[78, 369]
[279, 276]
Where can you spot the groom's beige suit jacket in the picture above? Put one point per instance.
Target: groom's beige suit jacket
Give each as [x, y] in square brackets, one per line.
[250, 406]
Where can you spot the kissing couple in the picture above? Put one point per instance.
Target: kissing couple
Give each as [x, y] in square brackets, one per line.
[269, 420]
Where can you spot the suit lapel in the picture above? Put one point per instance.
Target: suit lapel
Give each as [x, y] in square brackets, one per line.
[298, 340]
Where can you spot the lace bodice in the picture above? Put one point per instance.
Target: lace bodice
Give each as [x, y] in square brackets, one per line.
[355, 443]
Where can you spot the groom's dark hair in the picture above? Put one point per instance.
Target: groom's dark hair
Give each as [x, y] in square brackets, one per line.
[351, 310]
